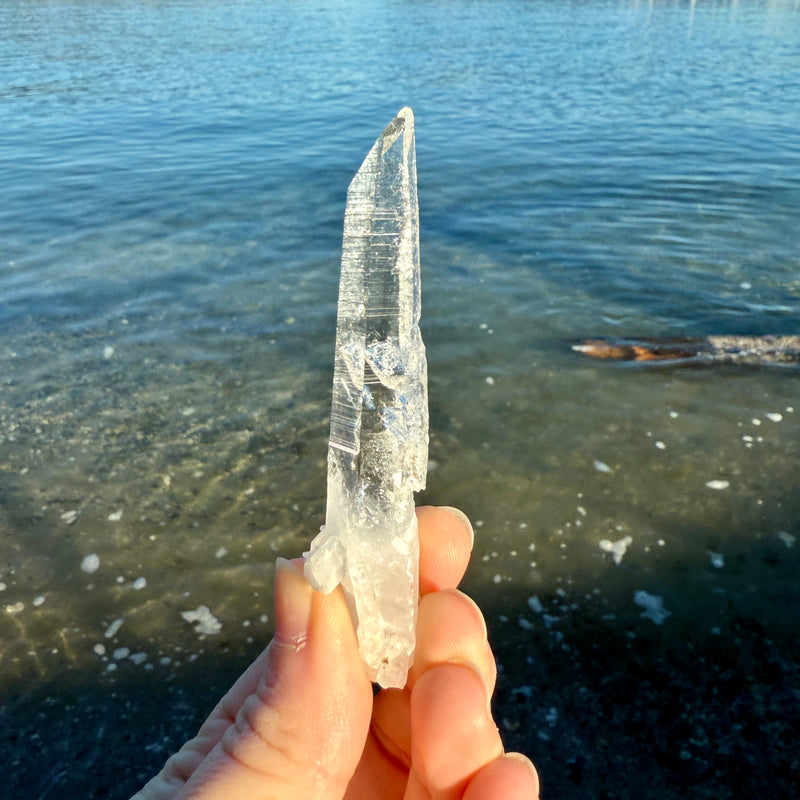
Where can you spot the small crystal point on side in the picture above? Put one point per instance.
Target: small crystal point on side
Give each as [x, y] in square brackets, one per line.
[378, 448]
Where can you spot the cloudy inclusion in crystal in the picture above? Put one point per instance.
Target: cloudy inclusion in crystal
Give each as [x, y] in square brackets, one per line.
[378, 449]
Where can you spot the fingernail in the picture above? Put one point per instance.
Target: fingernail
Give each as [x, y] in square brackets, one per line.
[459, 514]
[292, 604]
[522, 759]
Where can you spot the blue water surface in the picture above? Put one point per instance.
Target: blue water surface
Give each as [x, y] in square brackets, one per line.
[646, 154]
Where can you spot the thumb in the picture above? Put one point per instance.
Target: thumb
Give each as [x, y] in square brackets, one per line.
[298, 729]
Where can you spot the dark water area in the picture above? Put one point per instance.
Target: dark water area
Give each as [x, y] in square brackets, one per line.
[174, 177]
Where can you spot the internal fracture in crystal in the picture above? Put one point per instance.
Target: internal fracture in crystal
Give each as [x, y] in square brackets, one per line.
[378, 447]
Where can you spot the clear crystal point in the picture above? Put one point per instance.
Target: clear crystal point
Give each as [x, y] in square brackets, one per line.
[378, 447]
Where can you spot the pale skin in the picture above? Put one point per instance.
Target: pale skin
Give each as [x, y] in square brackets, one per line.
[302, 721]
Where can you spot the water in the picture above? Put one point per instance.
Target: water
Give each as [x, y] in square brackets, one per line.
[173, 182]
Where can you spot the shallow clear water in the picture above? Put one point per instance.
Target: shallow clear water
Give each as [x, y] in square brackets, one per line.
[173, 181]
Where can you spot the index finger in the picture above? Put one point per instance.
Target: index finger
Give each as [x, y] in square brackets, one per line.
[445, 544]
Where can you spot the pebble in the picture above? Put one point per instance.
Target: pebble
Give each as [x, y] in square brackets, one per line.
[91, 563]
[601, 466]
[140, 583]
[490, 380]
[653, 606]
[70, 516]
[207, 623]
[37, 601]
[112, 629]
[787, 538]
[535, 605]
[774, 417]
[115, 516]
[717, 559]
[718, 484]
[617, 549]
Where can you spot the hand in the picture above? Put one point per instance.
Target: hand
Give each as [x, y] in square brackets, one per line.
[302, 722]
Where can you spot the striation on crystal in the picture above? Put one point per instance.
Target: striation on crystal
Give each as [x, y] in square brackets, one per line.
[378, 446]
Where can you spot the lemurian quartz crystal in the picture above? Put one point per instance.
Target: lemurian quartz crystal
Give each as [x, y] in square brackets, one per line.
[378, 447]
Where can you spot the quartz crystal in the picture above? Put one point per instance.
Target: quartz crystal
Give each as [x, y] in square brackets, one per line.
[378, 447]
